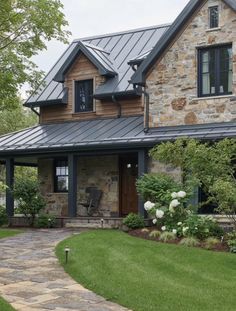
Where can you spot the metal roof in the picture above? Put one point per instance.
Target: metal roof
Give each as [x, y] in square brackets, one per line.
[109, 133]
[140, 75]
[112, 51]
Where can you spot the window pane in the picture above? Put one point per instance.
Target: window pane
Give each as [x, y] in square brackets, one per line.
[84, 96]
[226, 70]
[62, 183]
[208, 72]
[214, 17]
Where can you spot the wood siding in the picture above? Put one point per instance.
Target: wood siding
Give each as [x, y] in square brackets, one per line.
[83, 69]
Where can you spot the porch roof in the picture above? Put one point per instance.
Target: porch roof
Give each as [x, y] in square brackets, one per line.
[109, 133]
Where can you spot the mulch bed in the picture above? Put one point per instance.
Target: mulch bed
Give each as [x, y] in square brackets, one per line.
[220, 247]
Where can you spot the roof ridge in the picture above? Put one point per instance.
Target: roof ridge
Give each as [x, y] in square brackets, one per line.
[122, 32]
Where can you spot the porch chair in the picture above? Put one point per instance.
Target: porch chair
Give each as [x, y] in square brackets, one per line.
[93, 200]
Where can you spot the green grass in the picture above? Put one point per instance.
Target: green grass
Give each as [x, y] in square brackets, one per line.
[5, 233]
[4, 306]
[149, 276]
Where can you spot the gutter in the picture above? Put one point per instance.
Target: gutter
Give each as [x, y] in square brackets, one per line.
[147, 105]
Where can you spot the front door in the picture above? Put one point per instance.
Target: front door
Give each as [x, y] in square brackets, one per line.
[128, 177]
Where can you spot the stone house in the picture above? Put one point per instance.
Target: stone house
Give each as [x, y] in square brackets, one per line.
[111, 98]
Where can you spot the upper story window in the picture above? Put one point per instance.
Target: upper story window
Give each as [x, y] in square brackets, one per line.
[84, 96]
[61, 175]
[214, 17]
[215, 71]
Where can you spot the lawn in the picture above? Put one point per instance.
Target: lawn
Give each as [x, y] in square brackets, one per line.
[4, 233]
[145, 275]
[4, 306]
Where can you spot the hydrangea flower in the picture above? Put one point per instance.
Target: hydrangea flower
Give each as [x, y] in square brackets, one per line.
[154, 221]
[185, 229]
[171, 209]
[181, 194]
[174, 203]
[174, 231]
[148, 206]
[179, 223]
[163, 228]
[174, 195]
[159, 213]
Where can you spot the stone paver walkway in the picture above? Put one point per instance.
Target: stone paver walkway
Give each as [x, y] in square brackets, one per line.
[31, 278]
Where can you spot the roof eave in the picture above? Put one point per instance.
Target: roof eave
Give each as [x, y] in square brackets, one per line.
[80, 48]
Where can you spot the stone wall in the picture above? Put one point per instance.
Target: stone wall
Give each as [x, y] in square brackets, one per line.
[172, 82]
[155, 166]
[101, 172]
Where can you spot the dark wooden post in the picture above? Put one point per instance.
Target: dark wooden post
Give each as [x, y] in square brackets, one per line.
[142, 169]
[72, 194]
[10, 185]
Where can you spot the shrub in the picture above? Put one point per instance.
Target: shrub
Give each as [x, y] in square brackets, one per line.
[167, 236]
[46, 221]
[200, 227]
[30, 201]
[231, 241]
[157, 187]
[189, 241]
[211, 242]
[155, 234]
[134, 221]
[3, 216]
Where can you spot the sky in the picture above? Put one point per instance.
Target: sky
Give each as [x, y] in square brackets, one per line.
[95, 17]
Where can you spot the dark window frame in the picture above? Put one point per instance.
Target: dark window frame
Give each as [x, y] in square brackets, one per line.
[217, 70]
[213, 20]
[56, 165]
[88, 96]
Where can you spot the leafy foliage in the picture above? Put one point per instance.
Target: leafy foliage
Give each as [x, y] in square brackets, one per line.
[46, 221]
[157, 187]
[3, 216]
[25, 27]
[134, 221]
[231, 241]
[210, 165]
[30, 201]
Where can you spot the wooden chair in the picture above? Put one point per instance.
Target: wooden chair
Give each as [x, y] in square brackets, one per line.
[93, 200]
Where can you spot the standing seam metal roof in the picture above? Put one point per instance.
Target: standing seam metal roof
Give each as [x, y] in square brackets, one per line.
[108, 133]
[114, 51]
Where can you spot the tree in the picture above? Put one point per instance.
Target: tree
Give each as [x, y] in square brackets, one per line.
[25, 118]
[25, 27]
[209, 165]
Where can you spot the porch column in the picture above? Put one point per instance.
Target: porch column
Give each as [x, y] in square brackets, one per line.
[142, 169]
[72, 193]
[10, 185]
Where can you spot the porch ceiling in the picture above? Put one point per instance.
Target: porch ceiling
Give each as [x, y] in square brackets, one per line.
[109, 133]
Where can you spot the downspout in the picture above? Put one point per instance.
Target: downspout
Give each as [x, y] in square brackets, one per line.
[146, 104]
[118, 105]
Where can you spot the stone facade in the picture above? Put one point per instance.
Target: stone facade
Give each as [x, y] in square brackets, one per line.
[172, 82]
[101, 172]
[157, 167]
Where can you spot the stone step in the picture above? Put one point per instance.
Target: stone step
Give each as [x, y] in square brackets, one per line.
[86, 225]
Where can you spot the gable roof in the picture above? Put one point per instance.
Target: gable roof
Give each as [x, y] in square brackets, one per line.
[138, 77]
[111, 54]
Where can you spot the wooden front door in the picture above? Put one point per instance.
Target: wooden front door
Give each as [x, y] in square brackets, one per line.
[128, 177]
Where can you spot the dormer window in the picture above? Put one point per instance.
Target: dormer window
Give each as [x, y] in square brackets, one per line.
[84, 96]
[214, 17]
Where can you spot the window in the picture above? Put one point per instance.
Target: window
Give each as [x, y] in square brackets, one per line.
[84, 96]
[61, 175]
[214, 17]
[215, 71]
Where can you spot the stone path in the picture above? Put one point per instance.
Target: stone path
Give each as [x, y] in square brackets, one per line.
[31, 278]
